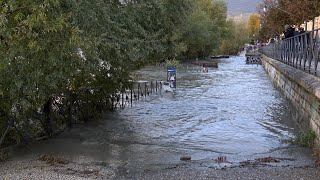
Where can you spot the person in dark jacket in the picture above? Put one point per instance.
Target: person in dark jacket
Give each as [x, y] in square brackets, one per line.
[288, 31]
[305, 37]
[301, 30]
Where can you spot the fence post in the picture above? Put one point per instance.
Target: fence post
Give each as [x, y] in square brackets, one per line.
[112, 102]
[156, 87]
[138, 91]
[122, 100]
[131, 97]
[145, 89]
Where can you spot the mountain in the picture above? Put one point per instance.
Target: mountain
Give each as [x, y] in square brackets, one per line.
[236, 7]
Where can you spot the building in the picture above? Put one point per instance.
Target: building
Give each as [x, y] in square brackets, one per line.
[310, 24]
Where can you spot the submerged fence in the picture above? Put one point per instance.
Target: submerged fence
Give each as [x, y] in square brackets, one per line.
[301, 51]
[64, 112]
[139, 91]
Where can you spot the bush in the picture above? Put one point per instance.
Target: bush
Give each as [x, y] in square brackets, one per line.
[173, 62]
[305, 138]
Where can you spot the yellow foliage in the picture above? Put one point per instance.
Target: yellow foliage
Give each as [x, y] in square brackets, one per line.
[254, 24]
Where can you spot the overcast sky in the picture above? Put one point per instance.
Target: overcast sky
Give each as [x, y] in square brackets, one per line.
[242, 6]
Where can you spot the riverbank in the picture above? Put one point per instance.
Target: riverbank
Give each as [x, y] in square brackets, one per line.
[59, 167]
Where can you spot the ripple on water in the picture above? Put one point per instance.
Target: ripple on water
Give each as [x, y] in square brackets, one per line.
[232, 110]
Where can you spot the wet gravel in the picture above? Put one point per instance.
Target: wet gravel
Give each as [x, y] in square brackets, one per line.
[267, 173]
[32, 167]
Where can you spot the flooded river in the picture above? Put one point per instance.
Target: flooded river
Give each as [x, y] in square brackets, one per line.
[232, 111]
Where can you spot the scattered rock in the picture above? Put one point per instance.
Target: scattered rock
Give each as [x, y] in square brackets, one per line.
[262, 161]
[249, 163]
[50, 159]
[268, 160]
[173, 167]
[185, 158]
[79, 172]
[90, 171]
[221, 159]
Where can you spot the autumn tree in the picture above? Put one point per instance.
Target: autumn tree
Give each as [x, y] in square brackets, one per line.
[302, 9]
[253, 25]
[275, 14]
[273, 18]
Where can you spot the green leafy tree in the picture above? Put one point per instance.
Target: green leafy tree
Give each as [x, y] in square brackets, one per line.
[205, 28]
[38, 54]
[79, 51]
[238, 35]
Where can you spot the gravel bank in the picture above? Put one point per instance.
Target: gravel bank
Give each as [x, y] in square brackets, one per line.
[52, 167]
[265, 173]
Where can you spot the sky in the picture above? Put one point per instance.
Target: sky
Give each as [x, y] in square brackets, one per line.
[236, 7]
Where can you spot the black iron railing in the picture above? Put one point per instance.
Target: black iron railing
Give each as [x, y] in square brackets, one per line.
[301, 51]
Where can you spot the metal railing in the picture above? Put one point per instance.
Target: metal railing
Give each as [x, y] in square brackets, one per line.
[301, 51]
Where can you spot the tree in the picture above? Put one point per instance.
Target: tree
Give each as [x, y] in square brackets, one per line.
[254, 24]
[238, 35]
[38, 54]
[275, 14]
[204, 28]
[79, 52]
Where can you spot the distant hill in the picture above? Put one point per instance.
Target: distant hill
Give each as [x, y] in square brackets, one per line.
[236, 7]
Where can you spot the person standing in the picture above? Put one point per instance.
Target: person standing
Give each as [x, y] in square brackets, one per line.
[301, 30]
[288, 31]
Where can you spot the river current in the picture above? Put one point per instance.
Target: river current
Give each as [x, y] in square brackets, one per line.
[233, 111]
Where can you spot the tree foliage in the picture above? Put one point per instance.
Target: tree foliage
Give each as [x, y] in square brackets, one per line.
[237, 35]
[204, 27]
[62, 56]
[254, 24]
[276, 13]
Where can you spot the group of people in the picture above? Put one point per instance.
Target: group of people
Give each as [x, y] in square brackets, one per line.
[290, 31]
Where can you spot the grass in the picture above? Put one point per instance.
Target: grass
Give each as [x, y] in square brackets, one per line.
[305, 138]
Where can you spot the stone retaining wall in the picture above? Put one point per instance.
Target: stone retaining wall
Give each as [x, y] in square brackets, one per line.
[301, 88]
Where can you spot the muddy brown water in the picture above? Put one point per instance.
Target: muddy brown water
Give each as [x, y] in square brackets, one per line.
[232, 111]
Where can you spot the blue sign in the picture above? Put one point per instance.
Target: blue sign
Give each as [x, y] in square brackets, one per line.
[171, 76]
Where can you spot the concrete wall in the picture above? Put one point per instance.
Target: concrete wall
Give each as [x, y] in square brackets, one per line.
[301, 88]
